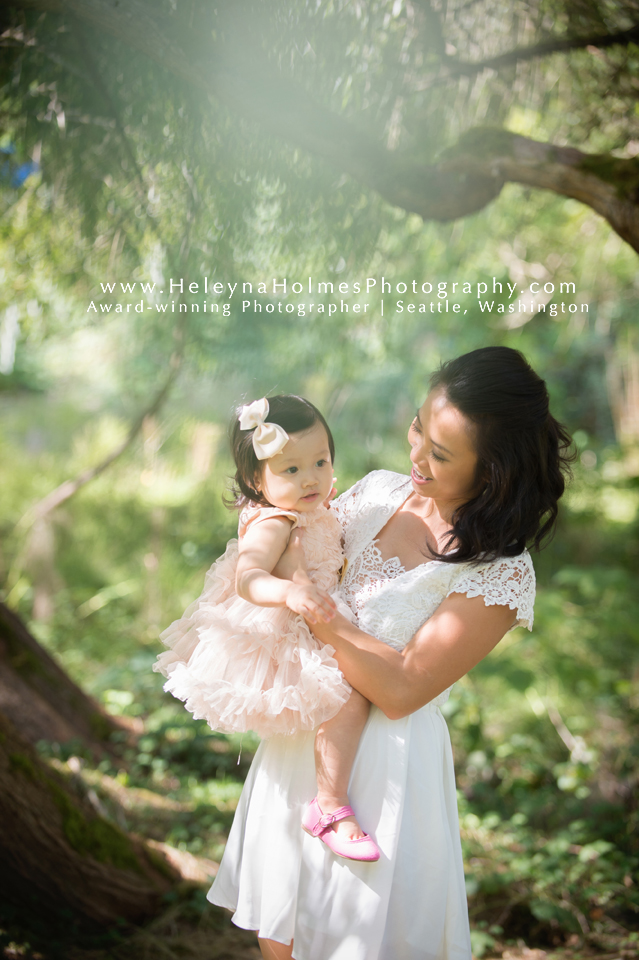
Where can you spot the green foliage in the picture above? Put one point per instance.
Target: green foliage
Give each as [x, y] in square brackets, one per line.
[545, 744]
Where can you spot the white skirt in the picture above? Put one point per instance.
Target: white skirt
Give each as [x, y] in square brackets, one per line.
[410, 905]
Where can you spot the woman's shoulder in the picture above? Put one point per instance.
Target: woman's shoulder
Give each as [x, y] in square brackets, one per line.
[375, 485]
[385, 478]
[378, 488]
[509, 581]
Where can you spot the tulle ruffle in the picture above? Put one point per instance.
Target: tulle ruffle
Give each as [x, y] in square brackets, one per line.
[242, 667]
[182, 636]
[297, 694]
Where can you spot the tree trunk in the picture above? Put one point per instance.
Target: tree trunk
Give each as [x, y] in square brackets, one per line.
[622, 369]
[63, 868]
[38, 697]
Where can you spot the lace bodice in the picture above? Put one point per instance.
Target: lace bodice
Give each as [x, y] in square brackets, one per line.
[390, 602]
[366, 574]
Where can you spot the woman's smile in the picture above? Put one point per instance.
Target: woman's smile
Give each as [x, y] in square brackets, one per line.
[419, 477]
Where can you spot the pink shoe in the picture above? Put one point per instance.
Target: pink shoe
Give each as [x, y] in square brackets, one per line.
[319, 824]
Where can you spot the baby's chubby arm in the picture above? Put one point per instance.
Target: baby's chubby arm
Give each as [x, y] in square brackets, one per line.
[259, 551]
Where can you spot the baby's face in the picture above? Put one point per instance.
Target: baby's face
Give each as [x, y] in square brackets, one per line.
[300, 477]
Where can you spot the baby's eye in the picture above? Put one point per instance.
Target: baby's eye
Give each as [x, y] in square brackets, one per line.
[291, 470]
[321, 463]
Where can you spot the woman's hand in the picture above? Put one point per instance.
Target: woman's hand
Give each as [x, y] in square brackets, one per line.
[461, 632]
[337, 623]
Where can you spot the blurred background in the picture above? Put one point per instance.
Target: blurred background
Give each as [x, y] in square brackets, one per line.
[245, 142]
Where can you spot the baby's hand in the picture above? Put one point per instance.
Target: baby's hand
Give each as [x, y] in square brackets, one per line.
[310, 602]
[332, 494]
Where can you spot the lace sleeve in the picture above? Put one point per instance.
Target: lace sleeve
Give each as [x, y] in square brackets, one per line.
[508, 581]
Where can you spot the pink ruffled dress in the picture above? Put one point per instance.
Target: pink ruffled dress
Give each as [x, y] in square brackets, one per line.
[243, 667]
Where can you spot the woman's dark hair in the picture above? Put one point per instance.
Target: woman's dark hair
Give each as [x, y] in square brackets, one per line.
[524, 454]
[293, 414]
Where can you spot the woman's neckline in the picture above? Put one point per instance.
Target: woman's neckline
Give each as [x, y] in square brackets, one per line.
[403, 569]
[375, 541]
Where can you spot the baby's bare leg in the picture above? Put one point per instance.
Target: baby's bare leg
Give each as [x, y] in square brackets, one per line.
[335, 748]
[272, 950]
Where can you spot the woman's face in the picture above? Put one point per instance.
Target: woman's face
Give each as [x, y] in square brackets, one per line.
[443, 453]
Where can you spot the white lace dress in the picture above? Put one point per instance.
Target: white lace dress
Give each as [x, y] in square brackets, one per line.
[411, 904]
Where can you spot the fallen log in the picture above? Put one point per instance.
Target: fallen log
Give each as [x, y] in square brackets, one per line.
[61, 864]
[39, 698]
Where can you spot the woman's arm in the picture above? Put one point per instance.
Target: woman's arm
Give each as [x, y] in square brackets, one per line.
[461, 632]
[259, 550]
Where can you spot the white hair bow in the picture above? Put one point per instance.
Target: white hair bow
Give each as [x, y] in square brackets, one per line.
[269, 439]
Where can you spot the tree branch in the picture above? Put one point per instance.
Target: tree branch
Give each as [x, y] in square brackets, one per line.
[71, 487]
[469, 176]
[543, 49]
[607, 184]
[238, 75]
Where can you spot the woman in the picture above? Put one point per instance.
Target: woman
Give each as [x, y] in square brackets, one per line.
[437, 573]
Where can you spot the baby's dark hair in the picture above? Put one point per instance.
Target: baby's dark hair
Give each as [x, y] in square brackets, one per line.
[294, 414]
